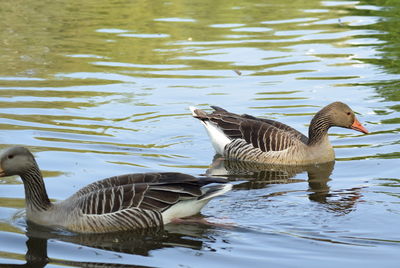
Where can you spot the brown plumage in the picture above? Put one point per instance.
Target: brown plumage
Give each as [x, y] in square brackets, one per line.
[117, 203]
[248, 138]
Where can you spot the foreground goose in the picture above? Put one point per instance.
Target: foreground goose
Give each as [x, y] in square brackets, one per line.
[248, 138]
[118, 203]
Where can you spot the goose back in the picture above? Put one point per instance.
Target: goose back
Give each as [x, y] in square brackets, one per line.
[134, 201]
[129, 202]
[248, 138]
[117, 203]
[251, 138]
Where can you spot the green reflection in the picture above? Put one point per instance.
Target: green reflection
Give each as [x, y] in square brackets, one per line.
[91, 77]
[52, 37]
[389, 27]
[12, 202]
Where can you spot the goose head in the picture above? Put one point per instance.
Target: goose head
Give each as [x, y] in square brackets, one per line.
[16, 161]
[340, 114]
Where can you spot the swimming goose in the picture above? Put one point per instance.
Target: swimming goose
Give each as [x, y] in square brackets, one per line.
[117, 203]
[248, 138]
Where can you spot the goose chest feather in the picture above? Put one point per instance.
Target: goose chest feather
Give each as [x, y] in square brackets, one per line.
[119, 203]
[248, 138]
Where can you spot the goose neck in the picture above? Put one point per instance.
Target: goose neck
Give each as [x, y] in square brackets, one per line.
[35, 191]
[318, 129]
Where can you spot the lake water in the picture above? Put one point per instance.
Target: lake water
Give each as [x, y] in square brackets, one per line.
[101, 88]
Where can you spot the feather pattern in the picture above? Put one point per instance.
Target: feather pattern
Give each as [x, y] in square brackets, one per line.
[117, 203]
[266, 135]
[268, 141]
[135, 201]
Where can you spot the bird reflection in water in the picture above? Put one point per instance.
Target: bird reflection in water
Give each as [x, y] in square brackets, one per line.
[257, 176]
[139, 242]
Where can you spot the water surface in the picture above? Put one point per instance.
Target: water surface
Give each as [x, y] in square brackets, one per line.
[97, 89]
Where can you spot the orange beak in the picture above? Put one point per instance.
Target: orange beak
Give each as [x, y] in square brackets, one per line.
[357, 126]
[2, 173]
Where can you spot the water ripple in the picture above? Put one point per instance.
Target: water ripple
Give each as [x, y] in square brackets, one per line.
[104, 89]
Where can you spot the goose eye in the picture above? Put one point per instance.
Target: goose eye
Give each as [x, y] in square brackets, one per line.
[10, 156]
[348, 113]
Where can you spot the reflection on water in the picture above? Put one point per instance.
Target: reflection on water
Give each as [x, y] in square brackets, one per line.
[138, 243]
[103, 89]
[257, 175]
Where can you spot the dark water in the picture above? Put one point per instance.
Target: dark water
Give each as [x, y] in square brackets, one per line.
[99, 88]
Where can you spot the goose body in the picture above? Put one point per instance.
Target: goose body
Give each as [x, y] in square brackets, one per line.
[118, 203]
[248, 138]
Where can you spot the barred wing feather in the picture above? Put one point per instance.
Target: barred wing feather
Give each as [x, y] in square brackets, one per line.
[265, 134]
[149, 191]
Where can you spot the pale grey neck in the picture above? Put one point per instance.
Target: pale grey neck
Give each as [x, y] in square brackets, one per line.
[318, 129]
[35, 191]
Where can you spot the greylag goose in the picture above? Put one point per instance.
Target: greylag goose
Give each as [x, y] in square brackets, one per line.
[117, 203]
[248, 138]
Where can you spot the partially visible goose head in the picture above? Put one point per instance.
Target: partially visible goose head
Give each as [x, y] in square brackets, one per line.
[16, 161]
[336, 114]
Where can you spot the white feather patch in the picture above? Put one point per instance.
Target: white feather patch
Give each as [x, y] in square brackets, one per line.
[218, 139]
[191, 207]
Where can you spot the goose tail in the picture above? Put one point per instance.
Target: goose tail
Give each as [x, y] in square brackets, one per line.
[186, 208]
[198, 113]
[213, 190]
[218, 138]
